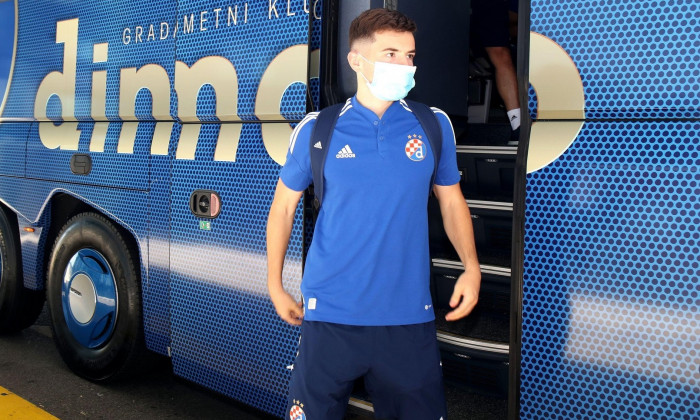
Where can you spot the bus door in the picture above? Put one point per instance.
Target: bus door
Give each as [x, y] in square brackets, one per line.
[452, 75]
[240, 75]
[610, 313]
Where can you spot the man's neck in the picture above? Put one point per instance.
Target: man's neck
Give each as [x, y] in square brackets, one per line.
[369, 101]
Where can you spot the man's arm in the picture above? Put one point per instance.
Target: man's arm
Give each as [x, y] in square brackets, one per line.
[279, 228]
[458, 225]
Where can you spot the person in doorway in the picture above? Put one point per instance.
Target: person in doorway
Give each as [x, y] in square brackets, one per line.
[490, 24]
[367, 310]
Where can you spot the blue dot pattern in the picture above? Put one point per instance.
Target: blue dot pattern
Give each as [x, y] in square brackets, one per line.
[610, 310]
[13, 147]
[109, 169]
[272, 33]
[53, 109]
[226, 334]
[271, 30]
[532, 102]
[294, 98]
[156, 291]
[637, 59]
[38, 54]
[33, 250]
[611, 307]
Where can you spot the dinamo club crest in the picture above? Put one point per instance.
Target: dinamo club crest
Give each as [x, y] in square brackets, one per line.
[415, 148]
[296, 412]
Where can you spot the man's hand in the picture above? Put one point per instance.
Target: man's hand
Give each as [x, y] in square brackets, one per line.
[467, 290]
[287, 308]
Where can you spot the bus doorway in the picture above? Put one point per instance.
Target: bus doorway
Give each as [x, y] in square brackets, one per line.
[469, 73]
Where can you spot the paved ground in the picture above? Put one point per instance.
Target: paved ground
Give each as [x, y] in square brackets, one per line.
[31, 368]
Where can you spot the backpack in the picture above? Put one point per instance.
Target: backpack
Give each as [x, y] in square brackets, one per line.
[323, 131]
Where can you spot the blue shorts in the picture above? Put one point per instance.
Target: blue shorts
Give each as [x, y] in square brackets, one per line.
[400, 365]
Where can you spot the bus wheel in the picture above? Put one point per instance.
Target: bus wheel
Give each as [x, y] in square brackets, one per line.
[19, 307]
[94, 299]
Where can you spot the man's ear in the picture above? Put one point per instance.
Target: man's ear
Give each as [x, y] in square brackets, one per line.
[354, 60]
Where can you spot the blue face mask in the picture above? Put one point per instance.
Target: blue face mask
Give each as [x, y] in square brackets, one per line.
[390, 82]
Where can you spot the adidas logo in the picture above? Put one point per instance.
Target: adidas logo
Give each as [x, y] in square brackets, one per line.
[345, 152]
[318, 145]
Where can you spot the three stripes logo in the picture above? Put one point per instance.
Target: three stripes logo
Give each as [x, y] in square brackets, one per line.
[345, 153]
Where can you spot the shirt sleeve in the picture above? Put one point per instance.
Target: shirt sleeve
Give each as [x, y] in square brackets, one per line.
[447, 172]
[296, 172]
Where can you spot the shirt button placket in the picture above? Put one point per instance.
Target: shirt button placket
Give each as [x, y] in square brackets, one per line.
[380, 138]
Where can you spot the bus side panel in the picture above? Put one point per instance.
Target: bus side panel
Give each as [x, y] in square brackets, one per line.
[34, 249]
[130, 171]
[132, 46]
[109, 167]
[253, 37]
[156, 290]
[30, 197]
[636, 59]
[13, 147]
[225, 332]
[611, 309]
[99, 41]
[116, 24]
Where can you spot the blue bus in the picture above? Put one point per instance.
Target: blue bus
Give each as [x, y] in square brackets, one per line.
[141, 141]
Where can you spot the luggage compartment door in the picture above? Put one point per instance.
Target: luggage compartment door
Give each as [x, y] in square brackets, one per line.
[241, 76]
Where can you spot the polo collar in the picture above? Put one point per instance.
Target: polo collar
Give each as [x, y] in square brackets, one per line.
[369, 115]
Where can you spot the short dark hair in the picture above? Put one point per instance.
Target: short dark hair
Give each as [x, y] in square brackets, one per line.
[372, 21]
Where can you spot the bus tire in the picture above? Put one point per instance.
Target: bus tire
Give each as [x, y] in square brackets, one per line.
[19, 306]
[94, 299]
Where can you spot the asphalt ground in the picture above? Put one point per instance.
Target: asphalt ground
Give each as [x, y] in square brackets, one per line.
[31, 368]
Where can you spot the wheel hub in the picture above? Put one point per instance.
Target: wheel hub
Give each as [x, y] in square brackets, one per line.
[89, 297]
[82, 298]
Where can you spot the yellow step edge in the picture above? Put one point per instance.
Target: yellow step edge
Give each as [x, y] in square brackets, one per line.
[15, 408]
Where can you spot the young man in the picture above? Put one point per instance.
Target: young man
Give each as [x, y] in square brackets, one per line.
[367, 308]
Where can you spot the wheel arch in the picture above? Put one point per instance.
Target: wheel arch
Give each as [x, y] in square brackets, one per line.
[61, 208]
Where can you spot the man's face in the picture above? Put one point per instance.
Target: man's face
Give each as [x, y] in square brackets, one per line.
[388, 47]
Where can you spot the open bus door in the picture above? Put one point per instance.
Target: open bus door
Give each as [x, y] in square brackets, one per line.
[475, 350]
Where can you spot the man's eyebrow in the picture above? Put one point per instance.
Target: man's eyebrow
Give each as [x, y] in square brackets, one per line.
[397, 50]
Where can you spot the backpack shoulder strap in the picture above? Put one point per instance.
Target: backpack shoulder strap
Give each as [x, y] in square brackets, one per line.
[428, 120]
[319, 144]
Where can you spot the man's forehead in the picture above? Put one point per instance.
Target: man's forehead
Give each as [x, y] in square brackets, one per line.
[388, 39]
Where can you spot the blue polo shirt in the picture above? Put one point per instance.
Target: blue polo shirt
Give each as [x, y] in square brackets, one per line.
[369, 263]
